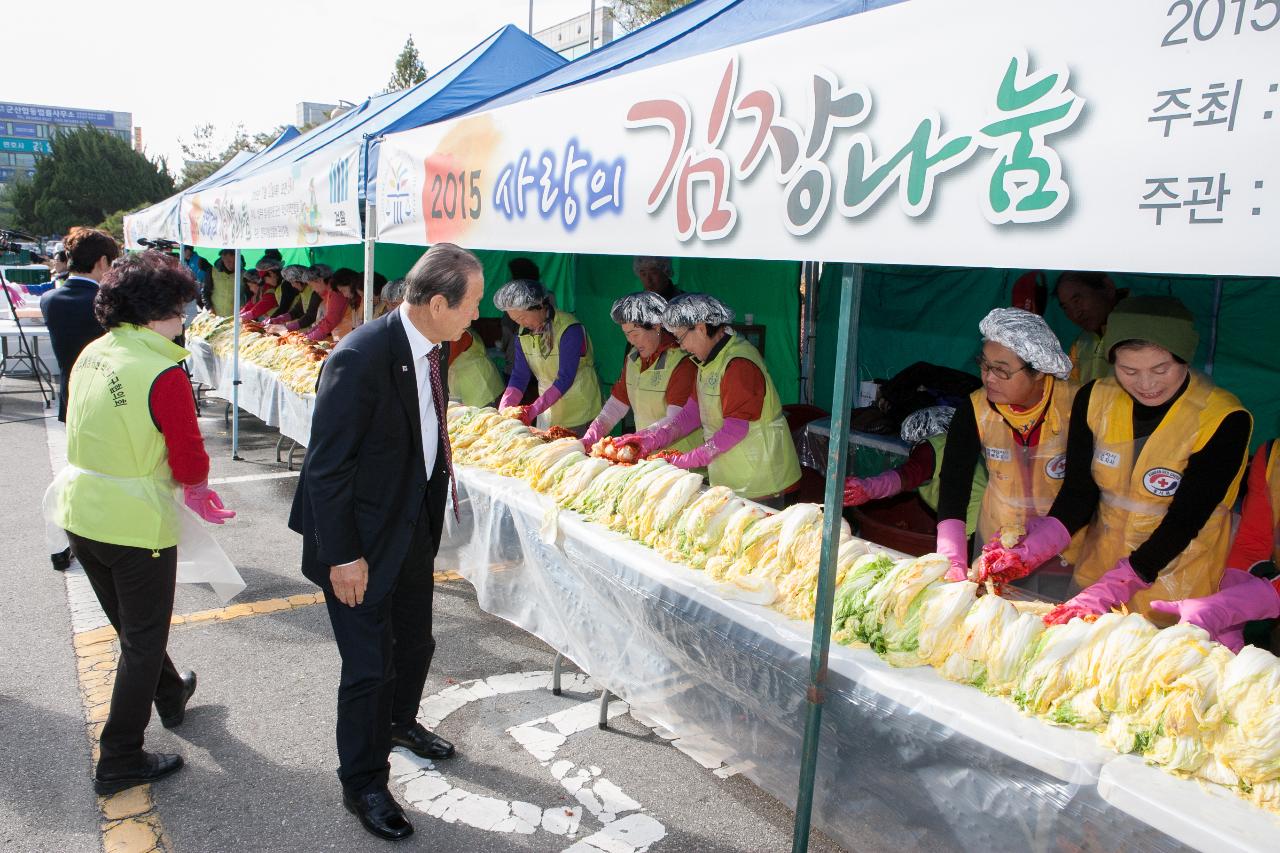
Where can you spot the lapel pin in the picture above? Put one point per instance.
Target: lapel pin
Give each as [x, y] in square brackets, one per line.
[404, 368]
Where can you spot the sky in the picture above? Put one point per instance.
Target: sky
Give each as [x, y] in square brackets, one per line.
[175, 66]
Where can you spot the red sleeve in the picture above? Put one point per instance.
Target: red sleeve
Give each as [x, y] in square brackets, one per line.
[174, 413]
[266, 304]
[335, 308]
[918, 469]
[620, 387]
[458, 347]
[683, 384]
[1255, 537]
[742, 390]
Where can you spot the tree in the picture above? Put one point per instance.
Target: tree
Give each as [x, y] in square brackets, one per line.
[636, 13]
[114, 224]
[203, 154]
[87, 175]
[409, 69]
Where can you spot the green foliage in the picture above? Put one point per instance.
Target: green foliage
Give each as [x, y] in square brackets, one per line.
[88, 175]
[409, 70]
[636, 13]
[114, 224]
[204, 153]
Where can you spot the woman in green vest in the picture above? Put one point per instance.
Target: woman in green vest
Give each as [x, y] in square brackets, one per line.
[222, 284]
[132, 440]
[658, 378]
[1088, 298]
[474, 380]
[556, 350]
[926, 431]
[746, 445]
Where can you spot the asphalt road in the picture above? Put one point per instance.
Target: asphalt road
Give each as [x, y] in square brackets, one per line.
[258, 738]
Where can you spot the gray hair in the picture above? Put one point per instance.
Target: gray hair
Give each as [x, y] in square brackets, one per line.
[657, 262]
[443, 271]
[642, 309]
[298, 273]
[394, 291]
[520, 295]
[690, 309]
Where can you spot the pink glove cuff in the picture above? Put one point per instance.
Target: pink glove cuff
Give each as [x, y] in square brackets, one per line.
[884, 485]
[608, 418]
[510, 397]
[548, 399]
[954, 545]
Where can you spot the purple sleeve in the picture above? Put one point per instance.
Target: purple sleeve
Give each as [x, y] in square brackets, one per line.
[519, 380]
[573, 343]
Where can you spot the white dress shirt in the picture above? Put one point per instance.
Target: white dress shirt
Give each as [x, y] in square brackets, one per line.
[421, 348]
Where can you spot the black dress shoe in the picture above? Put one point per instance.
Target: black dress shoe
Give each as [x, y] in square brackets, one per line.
[156, 765]
[421, 742]
[61, 560]
[174, 718]
[380, 814]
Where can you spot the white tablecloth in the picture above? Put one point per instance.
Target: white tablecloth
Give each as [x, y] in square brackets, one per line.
[262, 394]
[909, 760]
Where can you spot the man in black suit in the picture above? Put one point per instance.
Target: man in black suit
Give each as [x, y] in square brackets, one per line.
[370, 506]
[68, 310]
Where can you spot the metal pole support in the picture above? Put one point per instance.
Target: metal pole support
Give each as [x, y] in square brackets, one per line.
[235, 364]
[833, 505]
[371, 232]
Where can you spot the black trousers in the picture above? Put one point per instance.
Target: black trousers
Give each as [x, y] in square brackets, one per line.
[136, 591]
[386, 648]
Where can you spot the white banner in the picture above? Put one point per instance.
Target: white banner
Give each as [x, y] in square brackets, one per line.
[313, 202]
[1009, 133]
[160, 220]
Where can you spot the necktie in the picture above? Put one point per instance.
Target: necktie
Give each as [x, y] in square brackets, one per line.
[437, 397]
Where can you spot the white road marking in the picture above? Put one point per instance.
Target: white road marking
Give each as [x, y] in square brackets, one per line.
[82, 601]
[249, 478]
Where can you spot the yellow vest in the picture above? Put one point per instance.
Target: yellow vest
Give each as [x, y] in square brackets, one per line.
[224, 292]
[765, 462]
[1088, 361]
[1022, 481]
[473, 378]
[1273, 484]
[1138, 480]
[647, 391]
[930, 491]
[126, 494]
[581, 402]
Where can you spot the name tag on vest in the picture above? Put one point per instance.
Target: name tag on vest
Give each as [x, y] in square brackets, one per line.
[998, 454]
[1108, 458]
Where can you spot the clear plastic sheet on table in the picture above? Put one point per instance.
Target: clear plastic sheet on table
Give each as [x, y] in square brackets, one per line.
[908, 760]
[206, 367]
[262, 394]
[869, 454]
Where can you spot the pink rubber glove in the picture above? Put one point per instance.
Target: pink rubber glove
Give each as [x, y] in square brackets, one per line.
[953, 543]
[608, 418]
[1045, 538]
[859, 490]
[547, 399]
[1240, 598]
[1114, 588]
[510, 397]
[204, 502]
[730, 434]
[666, 431]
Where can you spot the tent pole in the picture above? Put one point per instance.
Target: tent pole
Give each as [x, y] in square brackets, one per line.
[833, 505]
[808, 330]
[1213, 327]
[371, 235]
[235, 363]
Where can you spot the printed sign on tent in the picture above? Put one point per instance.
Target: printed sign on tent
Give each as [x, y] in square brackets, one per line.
[312, 203]
[930, 132]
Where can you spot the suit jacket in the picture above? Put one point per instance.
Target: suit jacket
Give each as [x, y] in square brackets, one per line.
[68, 313]
[364, 483]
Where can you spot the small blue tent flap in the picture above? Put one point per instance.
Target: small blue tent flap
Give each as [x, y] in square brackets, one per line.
[700, 27]
[506, 58]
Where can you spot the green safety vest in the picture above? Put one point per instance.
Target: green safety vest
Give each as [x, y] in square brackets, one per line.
[126, 496]
[1088, 361]
[765, 462]
[647, 391]
[473, 378]
[933, 487]
[581, 402]
[224, 292]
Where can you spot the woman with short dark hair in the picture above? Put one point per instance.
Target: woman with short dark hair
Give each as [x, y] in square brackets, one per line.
[132, 438]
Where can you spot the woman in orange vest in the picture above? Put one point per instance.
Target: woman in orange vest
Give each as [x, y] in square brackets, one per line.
[1154, 460]
[1252, 593]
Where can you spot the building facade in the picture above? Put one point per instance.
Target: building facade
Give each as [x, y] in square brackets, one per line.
[25, 131]
[572, 38]
[312, 113]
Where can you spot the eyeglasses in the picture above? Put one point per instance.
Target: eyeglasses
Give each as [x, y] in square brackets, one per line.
[680, 338]
[985, 366]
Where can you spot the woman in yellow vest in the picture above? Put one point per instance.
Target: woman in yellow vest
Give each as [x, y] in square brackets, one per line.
[473, 378]
[1154, 462]
[132, 439]
[925, 430]
[1016, 425]
[746, 445]
[1250, 587]
[1088, 298]
[222, 284]
[556, 350]
[658, 378]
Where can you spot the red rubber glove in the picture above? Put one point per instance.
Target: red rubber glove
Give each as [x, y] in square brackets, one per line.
[204, 502]
[1045, 538]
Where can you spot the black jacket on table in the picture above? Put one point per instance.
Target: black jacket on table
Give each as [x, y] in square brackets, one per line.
[364, 482]
[68, 313]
